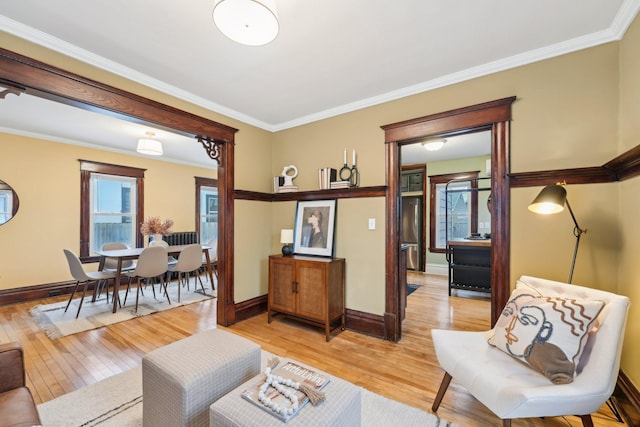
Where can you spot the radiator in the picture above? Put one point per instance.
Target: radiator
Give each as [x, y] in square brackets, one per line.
[181, 238]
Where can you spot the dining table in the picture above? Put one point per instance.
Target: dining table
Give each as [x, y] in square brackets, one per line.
[134, 253]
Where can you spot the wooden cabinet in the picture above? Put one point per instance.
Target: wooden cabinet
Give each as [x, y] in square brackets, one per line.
[470, 265]
[412, 180]
[309, 289]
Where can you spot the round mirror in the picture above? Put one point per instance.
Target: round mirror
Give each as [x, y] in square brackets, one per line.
[8, 202]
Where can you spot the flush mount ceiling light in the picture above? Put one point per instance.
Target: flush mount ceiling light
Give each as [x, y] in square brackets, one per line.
[248, 22]
[434, 145]
[150, 146]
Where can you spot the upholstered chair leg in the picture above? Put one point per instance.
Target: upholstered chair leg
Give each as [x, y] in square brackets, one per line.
[441, 391]
[586, 420]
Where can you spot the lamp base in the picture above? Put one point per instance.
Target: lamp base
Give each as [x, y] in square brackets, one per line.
[287, 250]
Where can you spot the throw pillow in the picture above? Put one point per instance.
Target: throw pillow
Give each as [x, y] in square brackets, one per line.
[546, 333]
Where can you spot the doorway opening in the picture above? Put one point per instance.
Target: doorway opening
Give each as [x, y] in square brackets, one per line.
[494, 116]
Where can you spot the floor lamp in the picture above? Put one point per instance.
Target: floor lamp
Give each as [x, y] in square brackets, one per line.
[551, 200]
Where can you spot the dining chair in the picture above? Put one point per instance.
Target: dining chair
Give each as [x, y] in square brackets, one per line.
[111, 264]
[81, 276]
[170, 260]
[189, 261]
[151, 264]
[213, 258]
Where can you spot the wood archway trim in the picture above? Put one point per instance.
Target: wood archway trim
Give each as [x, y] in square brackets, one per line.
[20, 74]
[494, 116]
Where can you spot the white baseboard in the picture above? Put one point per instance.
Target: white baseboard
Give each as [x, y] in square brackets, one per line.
[438, 269]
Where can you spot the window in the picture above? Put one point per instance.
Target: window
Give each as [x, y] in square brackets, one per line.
[453, 208]
[111, 216]
[207, 209]
[6, 205]
[111, 206]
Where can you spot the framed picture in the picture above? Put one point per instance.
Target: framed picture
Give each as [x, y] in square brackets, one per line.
[315, 228]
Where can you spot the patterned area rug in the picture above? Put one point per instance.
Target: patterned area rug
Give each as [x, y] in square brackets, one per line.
[117, 402]
[93, 315]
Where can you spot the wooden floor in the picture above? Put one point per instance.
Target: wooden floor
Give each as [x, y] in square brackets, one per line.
[406, 371]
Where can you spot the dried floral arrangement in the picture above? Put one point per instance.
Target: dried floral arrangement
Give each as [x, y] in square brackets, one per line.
[154, 225]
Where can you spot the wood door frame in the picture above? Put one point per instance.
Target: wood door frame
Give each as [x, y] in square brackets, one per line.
[494, 116]
[20, 74]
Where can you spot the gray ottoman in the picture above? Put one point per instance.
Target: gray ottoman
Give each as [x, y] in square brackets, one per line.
[181, 380]
[342, 407]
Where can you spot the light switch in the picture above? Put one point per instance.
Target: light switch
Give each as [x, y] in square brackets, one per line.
[372, 223]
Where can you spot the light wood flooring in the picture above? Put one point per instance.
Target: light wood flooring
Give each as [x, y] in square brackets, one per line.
[406, 371]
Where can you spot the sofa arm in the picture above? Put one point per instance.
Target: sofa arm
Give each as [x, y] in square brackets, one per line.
[12, 374]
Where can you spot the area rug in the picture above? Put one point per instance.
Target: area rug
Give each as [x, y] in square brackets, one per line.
[411, 288]
[117, 402]
[56, 323]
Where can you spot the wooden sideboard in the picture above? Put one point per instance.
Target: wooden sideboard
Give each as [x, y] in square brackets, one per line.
[309, 289]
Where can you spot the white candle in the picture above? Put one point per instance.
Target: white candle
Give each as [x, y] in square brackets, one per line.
[354, 157]
[345, 156]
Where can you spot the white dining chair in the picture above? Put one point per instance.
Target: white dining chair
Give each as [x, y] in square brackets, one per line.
[81, 276]
[151, 264]
[189, 261]
[213, 258]
[111, 264]
[170, 260]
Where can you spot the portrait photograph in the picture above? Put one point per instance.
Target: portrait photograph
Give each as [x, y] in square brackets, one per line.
[314, 228]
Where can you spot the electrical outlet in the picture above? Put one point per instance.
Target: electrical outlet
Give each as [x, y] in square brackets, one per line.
[372, 223]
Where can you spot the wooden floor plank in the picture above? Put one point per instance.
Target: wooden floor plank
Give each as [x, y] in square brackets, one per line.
[406, 371]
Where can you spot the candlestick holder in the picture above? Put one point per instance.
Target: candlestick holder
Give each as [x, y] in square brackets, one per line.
[345, 173]
[355, 176]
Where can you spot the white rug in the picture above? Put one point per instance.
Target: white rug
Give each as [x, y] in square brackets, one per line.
[117, 402]
[56, 323]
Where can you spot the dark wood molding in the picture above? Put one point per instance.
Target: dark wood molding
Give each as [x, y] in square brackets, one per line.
[626, 165]
[448, 122]
[378, 191]
[494, 116]
[49, 82]
[570, 176]
[226, 310]
[251, 307]
[623, 167]
[365, 323]
[35, 292]
[628, 399]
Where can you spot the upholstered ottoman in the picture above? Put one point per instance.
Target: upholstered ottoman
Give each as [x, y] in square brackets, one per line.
[342, 407]
[181, 380]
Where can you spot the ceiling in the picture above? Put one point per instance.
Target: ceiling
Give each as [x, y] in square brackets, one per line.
[330, 57]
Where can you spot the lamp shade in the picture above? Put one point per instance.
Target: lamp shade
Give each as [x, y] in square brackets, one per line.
[551, 200]
[248, 22]
[149, 146]
[434, 145]
[286, 236]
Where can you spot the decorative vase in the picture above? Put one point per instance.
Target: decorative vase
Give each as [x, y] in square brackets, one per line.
[156, 236]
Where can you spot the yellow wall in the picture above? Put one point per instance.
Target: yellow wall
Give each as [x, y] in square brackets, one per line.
[572, 111]
[629, 267]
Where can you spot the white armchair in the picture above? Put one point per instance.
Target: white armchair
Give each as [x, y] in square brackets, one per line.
[510, 388]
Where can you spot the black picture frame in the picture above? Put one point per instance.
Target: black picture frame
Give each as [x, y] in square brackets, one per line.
[314, 230]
